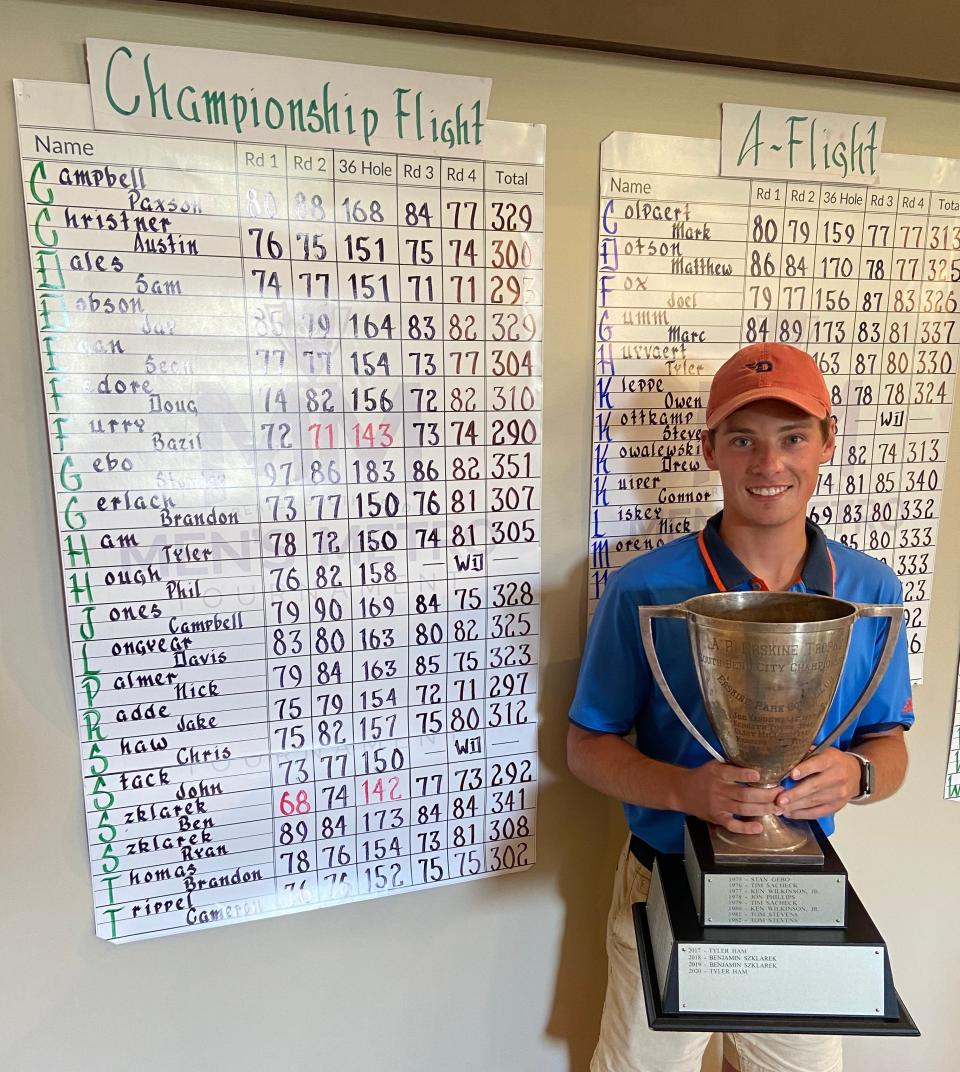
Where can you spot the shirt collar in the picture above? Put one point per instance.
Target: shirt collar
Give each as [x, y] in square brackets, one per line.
[817, 574]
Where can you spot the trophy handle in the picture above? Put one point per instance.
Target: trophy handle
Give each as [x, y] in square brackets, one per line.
[893, 611]
[669, 610]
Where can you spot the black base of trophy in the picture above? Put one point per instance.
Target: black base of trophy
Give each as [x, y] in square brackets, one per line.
[764, 895]
[783, 979]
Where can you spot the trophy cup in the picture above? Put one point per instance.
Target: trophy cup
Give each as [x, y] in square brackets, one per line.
[763, 932]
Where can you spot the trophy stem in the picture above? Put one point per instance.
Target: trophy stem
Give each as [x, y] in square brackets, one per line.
[781, 840]
[778, 835]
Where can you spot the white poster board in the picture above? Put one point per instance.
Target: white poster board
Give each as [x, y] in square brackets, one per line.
[951, 787]
[867, 279]
[294, 409]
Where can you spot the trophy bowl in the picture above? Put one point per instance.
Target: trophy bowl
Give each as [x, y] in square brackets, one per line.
[768, 665]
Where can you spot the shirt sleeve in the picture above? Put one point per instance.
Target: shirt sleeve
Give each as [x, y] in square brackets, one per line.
[614, 676]
[891, 706]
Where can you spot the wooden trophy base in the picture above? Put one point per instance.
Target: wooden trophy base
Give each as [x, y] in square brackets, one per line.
[783, 979]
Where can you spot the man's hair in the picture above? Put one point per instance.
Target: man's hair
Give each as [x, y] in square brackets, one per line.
[826, 425]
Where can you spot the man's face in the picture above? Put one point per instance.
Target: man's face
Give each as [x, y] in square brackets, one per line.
[768, 455]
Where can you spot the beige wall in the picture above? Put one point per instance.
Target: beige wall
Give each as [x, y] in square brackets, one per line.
[914, 43]
[503, 975]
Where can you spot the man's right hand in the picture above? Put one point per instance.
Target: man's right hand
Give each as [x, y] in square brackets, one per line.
[714, 792]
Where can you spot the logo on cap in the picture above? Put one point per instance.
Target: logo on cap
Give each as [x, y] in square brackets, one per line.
[761, 366]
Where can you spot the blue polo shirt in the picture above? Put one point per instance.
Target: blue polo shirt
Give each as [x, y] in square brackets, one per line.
[616, 692]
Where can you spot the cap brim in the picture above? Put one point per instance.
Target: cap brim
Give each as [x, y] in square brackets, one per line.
[782, 394]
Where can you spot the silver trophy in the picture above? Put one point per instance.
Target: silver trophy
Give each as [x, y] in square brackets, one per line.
[763, 931]
[768, 665]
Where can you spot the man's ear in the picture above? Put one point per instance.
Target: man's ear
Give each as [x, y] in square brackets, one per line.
[830, 443]
[707, 449]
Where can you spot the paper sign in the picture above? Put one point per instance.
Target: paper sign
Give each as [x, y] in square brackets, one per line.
[758, 142]
[202, 92]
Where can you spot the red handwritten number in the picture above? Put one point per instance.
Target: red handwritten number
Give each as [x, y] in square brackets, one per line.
[298, 805]
[373, 435]
[321, 432]
[381, 790]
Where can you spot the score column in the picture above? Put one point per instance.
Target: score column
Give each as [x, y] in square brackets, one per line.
[371, 331]
[323, 432]
[268, 298]
[930, 392]
[879, 444]
[513, 436]
[465, 350]
[834, 260]
[420, 217]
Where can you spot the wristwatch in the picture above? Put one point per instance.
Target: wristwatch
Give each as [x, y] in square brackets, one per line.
[866, 778]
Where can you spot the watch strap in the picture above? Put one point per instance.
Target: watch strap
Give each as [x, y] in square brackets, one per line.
[866, 778]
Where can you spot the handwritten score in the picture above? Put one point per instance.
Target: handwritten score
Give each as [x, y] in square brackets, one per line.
[294, 406]
[692, 266]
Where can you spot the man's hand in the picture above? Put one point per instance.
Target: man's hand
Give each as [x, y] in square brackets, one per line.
[825, 783]
[713, 792]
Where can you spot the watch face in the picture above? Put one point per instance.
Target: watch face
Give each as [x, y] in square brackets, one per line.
[866, 777]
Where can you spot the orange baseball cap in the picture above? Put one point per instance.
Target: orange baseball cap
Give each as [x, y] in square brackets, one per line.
[768, 370]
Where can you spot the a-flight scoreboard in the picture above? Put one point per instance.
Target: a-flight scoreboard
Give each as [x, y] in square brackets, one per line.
[691, 266]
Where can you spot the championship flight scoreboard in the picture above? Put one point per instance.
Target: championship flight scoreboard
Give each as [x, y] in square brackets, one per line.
[294, 413]
[691, 266]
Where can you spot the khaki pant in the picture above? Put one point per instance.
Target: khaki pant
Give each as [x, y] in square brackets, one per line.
[627, 1044]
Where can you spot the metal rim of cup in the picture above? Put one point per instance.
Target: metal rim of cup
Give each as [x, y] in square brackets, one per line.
[704, 609]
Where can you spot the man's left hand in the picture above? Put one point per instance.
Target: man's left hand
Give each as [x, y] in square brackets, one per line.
[825, 783]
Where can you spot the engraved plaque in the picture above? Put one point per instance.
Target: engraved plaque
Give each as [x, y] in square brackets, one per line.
[766, 897]
[713, 977]
[774, 900]
[797, 979]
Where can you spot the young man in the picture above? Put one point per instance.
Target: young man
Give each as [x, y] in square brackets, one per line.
[769, 429]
